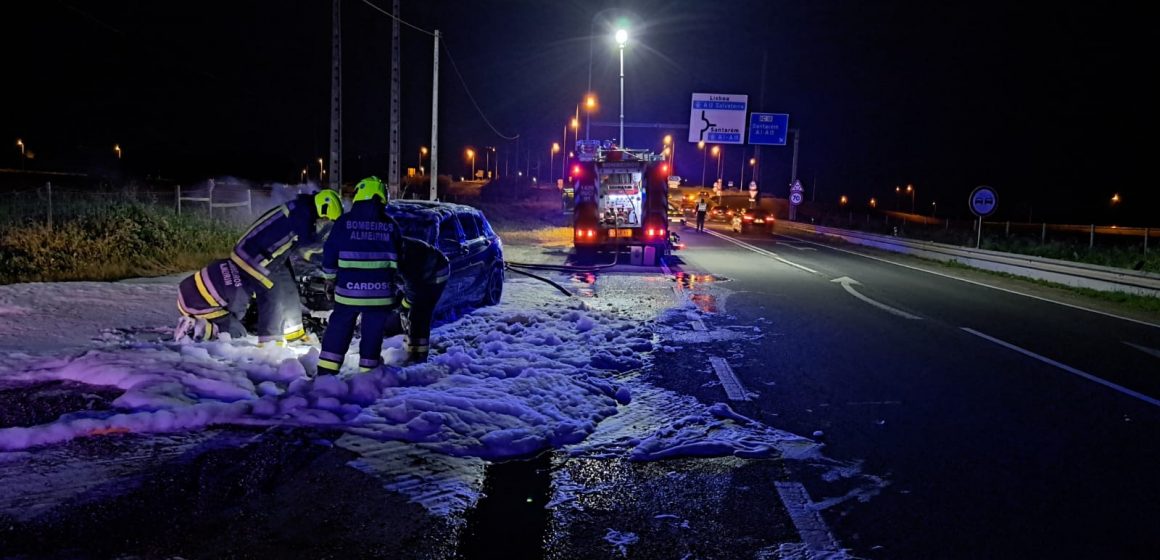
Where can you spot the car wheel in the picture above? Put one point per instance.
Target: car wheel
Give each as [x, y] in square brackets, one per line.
[493, 292]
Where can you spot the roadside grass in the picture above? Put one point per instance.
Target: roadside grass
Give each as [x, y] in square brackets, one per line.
[110, 241]
[1131, 301]
[1132, 258]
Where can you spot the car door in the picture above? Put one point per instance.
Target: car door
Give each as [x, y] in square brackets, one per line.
[451, 243]
[475, 272]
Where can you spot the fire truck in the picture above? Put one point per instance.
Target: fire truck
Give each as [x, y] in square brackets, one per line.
[621, 201]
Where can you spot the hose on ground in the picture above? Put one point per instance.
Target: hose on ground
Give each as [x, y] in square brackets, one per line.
[562, 289]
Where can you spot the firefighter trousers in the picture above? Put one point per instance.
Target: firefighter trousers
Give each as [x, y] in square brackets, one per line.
[340, 331]
[279, 307]
[416, 323]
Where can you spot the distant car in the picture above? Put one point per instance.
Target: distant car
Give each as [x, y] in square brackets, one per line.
[461, 232]
[753, 221]
[675, 214]
[721, 214]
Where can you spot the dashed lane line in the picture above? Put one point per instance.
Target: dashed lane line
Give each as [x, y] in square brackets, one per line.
[809, 523]
[1066, 368]
[729, 381]
[1150, 351]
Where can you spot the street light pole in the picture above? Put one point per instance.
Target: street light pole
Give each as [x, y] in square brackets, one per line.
[704, 154]
[621, 39]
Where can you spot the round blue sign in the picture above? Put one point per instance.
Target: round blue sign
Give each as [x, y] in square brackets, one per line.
[983, 201]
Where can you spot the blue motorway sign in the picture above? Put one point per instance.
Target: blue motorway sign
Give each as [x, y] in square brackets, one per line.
[768, 128]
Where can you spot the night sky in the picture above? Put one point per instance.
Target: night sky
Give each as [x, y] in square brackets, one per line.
[1048, 104]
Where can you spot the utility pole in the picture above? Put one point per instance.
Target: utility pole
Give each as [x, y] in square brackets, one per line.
[757, 150]
[336, 97]
[797, 136]
[393, 170]
[432, 193]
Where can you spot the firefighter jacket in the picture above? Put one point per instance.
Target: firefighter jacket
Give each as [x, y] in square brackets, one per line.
[361, 254]
[209, 293]
[423, 269]
[276, 232]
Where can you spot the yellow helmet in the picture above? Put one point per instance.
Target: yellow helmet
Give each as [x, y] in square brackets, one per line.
[328, 203]
[369, 188]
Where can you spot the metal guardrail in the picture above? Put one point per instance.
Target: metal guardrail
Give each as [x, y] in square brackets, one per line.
[1074, 274]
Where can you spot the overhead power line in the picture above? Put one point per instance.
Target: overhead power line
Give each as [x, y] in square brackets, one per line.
[453, 66]
[398, 19]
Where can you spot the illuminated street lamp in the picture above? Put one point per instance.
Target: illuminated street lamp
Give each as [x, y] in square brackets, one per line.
[422, 152]
[321, 170]
[1115, 199]
[621, 39]
[843, 200]
[552, 160]
[717, 154]
[910, 189]
[933, 208]
[117, 150]
[20, 144]
[471, 154]
[673, 159]
[589, 107]
[302, 179]
[701, 146]
[873, 202]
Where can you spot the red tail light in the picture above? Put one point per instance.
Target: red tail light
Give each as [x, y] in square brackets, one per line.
[748, 218]
[591, 233]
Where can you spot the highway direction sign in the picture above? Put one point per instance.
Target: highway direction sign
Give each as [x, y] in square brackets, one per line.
[768, 128]
[718, 118]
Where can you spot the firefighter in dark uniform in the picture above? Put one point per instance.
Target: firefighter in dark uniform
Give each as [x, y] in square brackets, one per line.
[424, 270]
[263, 256]
[361, 255]
[212, 301]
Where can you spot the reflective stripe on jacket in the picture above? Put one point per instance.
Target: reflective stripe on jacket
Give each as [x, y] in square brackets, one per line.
[271, 235]
[362, 254]
[208, 293]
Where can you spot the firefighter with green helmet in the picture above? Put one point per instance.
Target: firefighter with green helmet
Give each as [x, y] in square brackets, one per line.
[262, 256]
[361, 255]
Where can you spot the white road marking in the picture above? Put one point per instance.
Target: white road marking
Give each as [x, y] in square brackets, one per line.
[792, 246]
[849, 283]
[1151, 351]
[728, 379]
[809, 523]
[761, 251]
[1066, 368]
[977, 283]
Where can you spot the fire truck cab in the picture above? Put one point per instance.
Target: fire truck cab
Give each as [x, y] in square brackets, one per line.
[621, 201]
